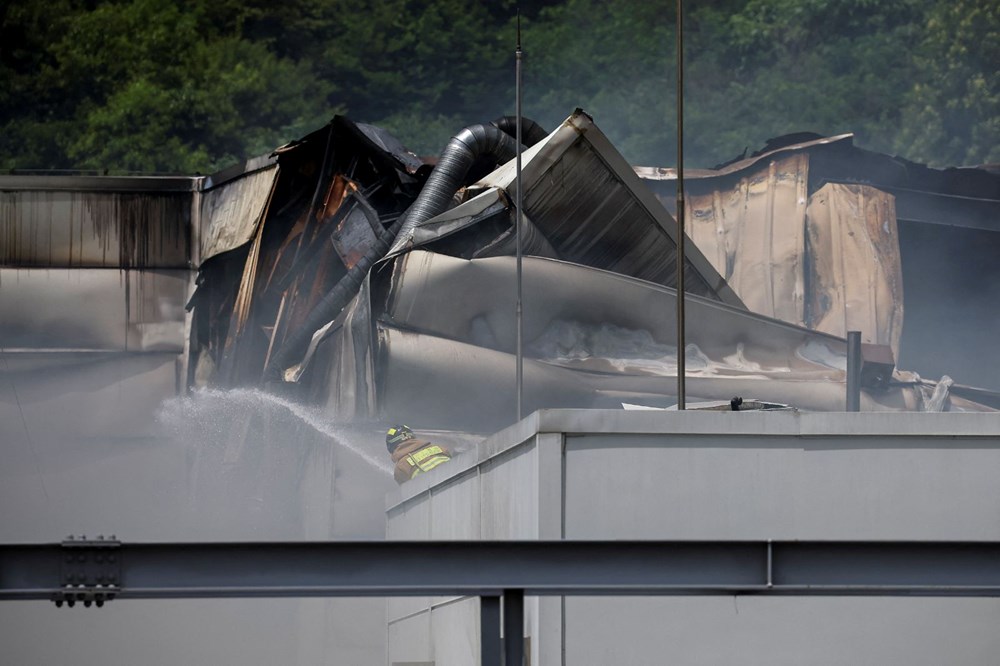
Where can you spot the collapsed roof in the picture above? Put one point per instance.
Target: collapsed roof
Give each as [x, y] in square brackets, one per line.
[848, 232]
[427, 335]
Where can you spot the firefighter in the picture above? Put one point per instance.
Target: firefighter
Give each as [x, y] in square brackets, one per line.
[411, 455]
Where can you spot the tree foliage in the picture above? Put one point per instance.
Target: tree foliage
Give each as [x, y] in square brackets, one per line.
[953, 114]
[191, 85]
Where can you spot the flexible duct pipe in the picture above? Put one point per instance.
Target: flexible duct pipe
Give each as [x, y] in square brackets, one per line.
[531, 132]
[446, 178]
[449, 174]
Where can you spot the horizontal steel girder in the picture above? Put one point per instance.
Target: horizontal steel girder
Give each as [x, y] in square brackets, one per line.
[402, 568]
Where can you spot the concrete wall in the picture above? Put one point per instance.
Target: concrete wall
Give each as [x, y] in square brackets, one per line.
[660, 475]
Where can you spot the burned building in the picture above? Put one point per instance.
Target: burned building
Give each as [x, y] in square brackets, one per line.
[786, 259]
[351, 274]
[338, 284]
[818, 232]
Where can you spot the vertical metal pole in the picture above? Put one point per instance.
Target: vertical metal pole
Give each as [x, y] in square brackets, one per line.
[513, 627]
[680, 208]
[854, 371]
[489, 623]
[517, 224]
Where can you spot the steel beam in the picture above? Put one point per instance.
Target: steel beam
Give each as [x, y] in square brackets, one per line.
[945, 209]
[348, 568]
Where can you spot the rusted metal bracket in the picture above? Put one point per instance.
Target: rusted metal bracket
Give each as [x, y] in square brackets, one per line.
[90, 571]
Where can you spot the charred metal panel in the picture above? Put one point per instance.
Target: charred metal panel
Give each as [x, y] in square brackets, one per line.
[754, 235]
[387, 143]
[231, 212]
[592, 339]
[946, 250]
[483, 226]
[94, 309]
[94, 229]
[587, 201]
[338, 189]
[90, 183]
[854, 269]
[348, 374]
[474, 301]
[828, 260]
[358, 225]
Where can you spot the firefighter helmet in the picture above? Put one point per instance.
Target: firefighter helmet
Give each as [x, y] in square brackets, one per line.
[396, 435]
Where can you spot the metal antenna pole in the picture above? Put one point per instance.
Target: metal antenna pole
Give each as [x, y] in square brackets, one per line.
[517, 223]
[680, 206]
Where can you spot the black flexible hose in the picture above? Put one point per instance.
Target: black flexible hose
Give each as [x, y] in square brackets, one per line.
[495, 139]
[531, 132]
[449, 174]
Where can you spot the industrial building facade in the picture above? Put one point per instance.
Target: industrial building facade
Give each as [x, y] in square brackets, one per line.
[196, 358]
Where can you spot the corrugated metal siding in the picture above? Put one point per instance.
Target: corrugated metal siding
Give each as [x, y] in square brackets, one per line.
[94, 229]
[592, 218]
[754, 234]
[828, 261]
[586, 199]
[854, 262]
[230, 213]
[95, 309]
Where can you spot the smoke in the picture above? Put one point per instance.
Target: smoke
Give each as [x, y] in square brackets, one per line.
[951, 292]
[215, 466]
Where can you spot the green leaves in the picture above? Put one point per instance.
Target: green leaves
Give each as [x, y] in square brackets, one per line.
[192, 85]
[952, 116]
[156, 87]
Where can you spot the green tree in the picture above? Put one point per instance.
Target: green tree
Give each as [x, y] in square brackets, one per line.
[753, 70]
[952, 115]
[421, 69]
[185, 85]
[33, 115]
[792, 65]
[156, 86]
[615, 61]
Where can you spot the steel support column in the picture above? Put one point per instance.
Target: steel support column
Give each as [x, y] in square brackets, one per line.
[513, 627]
[854, 362]
[489, 625]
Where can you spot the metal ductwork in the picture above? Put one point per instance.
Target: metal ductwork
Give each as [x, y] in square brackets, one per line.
[494, 139]
[531, 132]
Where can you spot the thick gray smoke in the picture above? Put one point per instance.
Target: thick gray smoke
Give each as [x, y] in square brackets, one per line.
[215, 466]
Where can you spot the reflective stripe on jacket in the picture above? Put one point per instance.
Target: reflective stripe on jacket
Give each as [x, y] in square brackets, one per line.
[415, 456]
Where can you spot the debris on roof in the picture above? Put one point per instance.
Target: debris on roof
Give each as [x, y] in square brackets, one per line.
[429, 330]
[349, 272]
[844, 238]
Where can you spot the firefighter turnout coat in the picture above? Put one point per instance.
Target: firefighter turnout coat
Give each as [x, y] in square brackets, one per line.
[417, 455]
